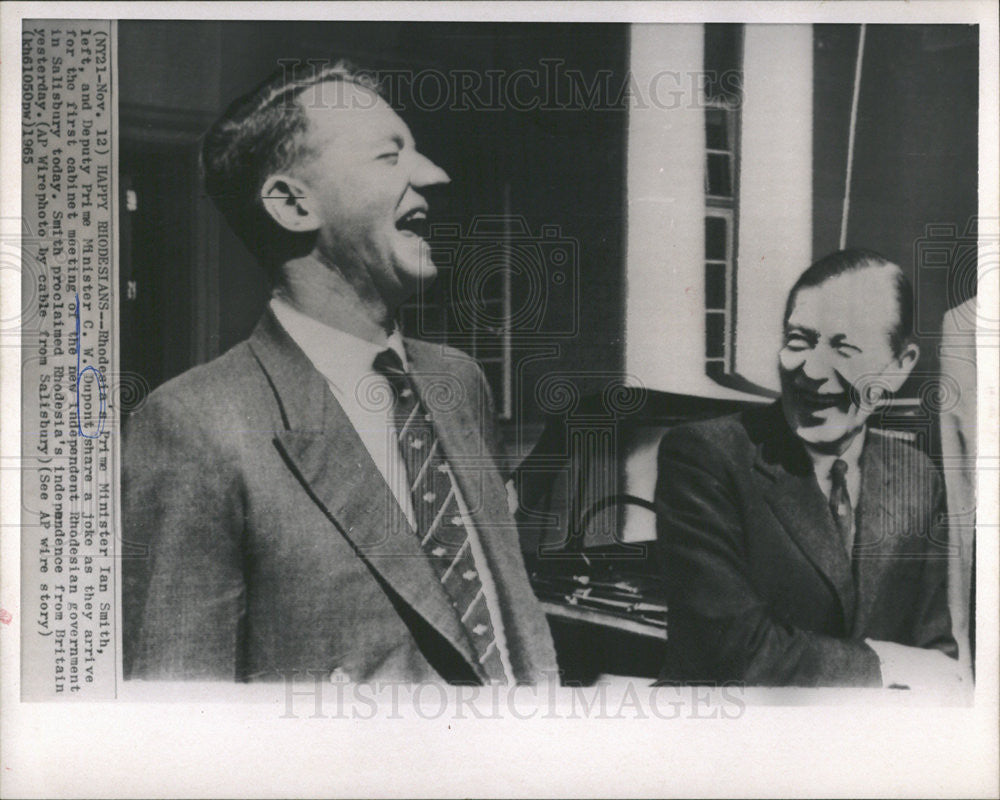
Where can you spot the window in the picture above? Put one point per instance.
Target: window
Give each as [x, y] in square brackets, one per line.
[719, 261]
[722, 62]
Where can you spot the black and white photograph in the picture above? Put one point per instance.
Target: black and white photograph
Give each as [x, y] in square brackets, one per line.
[399, 380]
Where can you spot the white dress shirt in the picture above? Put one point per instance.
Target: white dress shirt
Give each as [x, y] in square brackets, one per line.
[823, 464]
[347, 363]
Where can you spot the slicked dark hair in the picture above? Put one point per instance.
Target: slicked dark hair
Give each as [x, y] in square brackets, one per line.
[258, 135]
[855, 260]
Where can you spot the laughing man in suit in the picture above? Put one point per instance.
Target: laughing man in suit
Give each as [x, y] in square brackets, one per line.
[801, 546]
[325, 496]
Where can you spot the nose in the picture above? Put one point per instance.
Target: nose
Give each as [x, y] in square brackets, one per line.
[817, 365]
[426, 173]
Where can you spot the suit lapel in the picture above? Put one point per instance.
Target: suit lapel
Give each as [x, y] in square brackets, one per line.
[330, 460]
[458, 426]
[877, 526]
[790, 489]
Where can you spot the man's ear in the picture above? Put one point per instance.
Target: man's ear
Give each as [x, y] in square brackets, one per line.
[904, 364]
[289, 203]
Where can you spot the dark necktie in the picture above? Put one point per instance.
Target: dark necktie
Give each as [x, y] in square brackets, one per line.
[840, 503]
[437, 514]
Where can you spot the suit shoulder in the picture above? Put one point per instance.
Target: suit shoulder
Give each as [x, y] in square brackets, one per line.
[438, 351]
[445, 358]
[207, 418]
[733, 440]
[900, 450]
[208, 390]
[726, 433]
[718, 446]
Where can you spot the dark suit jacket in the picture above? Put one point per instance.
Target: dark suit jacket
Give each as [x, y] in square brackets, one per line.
[761, 590]
[274, 544]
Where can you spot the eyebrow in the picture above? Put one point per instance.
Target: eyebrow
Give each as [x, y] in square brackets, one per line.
[394, 138]
[791, 326]
[842, 338]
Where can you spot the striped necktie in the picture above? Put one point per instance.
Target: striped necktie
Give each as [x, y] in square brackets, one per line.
[438, 516]
[840, 504]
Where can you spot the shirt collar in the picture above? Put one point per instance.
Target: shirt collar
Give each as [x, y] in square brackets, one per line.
[342, 356]
[823, 462]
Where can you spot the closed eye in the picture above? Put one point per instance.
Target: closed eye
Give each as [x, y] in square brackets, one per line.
[390, 157]
[797, 341]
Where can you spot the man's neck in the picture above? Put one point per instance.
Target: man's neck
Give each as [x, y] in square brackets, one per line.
[851, 445]
[327, 295]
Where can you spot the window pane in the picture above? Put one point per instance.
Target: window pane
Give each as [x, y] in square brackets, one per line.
[719, 181]
[717, 129]
[715, 333]
[715, 238]
[715, 286]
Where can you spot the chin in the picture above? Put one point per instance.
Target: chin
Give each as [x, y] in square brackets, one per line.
[413, 261]
[419, 272]
[828, 433]
[818, 434]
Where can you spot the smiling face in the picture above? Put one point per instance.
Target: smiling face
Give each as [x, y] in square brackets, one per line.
[363, 176]
[837, 361]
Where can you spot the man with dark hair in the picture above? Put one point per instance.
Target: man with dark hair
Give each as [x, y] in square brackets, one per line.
[801, 546]
[326, 497]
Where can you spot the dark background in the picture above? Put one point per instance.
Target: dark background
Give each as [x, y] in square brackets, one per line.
[197, 291]
[560, 168]
[914, 190]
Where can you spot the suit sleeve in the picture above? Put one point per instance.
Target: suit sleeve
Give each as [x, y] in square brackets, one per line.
[183, 587]
[932, 622]
[719, 627]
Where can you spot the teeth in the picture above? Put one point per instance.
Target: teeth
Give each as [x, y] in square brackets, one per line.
[414, 222]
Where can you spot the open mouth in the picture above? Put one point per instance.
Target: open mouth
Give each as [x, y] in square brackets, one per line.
[413, 223]
[814, 401]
